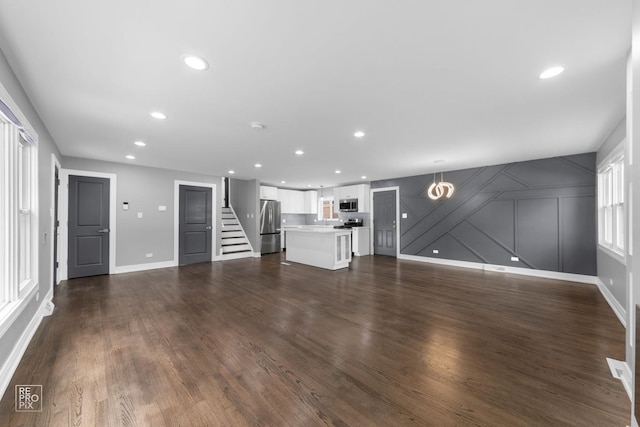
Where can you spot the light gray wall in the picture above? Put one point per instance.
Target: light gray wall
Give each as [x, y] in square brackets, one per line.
[46, 146]
[542, 211]
[145, 189]
[611, 271]
[244, 197]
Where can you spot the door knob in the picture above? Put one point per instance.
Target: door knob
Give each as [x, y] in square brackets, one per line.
[104, 230]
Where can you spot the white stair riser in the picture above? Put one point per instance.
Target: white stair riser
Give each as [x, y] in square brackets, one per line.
[234, 241]
[228, 228]
[235, 248]
[226, 233]
[236, 256]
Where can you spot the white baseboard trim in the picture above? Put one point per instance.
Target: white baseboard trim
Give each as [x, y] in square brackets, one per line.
[143, 267]
[47, 307]
[570, 277]
[621, 371]
[11, 364]
[617, 308]
[256, 255]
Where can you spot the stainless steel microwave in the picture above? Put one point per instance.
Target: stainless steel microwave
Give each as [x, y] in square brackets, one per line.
[348, 205]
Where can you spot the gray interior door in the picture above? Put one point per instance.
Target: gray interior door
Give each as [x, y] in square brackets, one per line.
[195, 224]
[88, 226]
[384, 223]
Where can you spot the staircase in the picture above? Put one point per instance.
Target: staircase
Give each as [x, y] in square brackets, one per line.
[234, 241]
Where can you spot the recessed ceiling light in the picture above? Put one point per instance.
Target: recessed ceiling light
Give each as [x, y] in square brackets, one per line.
[551, 72]
[140, 143]
[338, 171]
[299, 152]
[130, 157]
[232, 172]
[358, 134]
[195, 62]
[283, 182]
[258, 165]
[309, 185]
[158, 115]
[363, 177]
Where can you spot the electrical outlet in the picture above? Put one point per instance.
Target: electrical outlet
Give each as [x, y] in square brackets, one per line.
[149, 255]
[610, 282]
[436, 251]
[515, 259]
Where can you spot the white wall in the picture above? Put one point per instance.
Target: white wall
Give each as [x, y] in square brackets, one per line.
[611, 271]
[145, 189]
[14, 340]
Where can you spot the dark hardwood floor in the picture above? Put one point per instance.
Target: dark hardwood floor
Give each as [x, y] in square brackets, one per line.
[384, 343]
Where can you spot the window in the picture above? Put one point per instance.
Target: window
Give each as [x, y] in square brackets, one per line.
[611, 216]
[18, 207]
[326, 209]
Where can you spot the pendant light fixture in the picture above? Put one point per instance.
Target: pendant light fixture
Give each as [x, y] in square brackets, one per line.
[437, 190]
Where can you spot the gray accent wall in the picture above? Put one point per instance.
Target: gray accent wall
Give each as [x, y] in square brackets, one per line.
[145, 189]
[611, 271]
[244, 197]
[541, 211]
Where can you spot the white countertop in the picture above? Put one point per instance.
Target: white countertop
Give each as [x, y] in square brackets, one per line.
[312, 229]
[294, 227]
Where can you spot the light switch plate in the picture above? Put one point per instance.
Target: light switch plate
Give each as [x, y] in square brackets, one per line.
[139, 214]
[162, 208]
[404, 215]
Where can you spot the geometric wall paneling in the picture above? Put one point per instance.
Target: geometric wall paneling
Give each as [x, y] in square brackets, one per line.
[537, 233]
[576, 215]
[542, 211]
[504, 182]
[554, 172]
[448, 244]
[542, 193]
[441, 221]
[497, 220]
[490, 250]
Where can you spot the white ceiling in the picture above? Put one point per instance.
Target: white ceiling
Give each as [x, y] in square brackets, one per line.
[426, 80]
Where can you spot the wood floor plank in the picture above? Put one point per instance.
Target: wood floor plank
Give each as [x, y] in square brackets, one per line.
[253, 342]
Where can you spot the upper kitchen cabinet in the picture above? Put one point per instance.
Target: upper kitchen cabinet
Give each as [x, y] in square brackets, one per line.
[298, 202]
[311, 202]
[268, 193]
[358, 192]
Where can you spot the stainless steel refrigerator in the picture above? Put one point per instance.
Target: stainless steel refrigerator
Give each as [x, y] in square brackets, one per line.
[269, 226]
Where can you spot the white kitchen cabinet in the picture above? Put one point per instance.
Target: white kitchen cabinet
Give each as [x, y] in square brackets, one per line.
[268, 193]
[311, 202]
[284, 196]
[298, 202]
[360, 240]
[360, 192]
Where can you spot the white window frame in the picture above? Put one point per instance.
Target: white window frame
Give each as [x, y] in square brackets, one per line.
[611, 204]
[18, 216]
[331, 201]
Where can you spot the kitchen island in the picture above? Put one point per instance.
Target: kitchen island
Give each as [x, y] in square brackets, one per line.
[319, 246]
